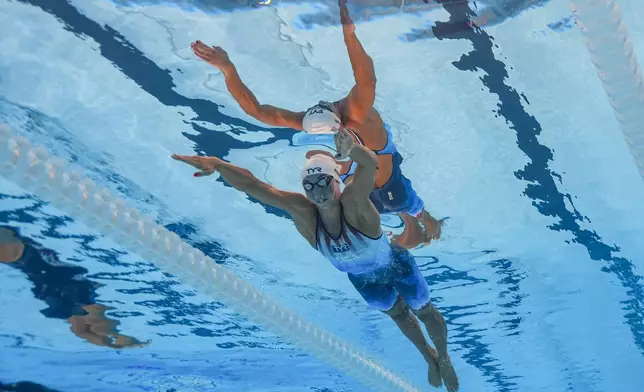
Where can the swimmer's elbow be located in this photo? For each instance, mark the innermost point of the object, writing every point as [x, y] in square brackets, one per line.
[364, 157]
[254, 110]
[367, 81]
[278, 117]
[265, 114]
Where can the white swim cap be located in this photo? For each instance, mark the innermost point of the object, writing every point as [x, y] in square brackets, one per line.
[321, 164]
[320, 119]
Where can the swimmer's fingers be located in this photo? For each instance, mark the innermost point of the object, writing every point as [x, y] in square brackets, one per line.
[203, 173]
[204, 164]
[343, 143]
[201, 56]
[345, 138]
[189, 159]
[341, 135]
[340, 144]
[202, 51]
[214, 55]
[199, 46]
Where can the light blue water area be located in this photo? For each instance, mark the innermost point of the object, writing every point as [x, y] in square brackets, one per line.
[505, 130]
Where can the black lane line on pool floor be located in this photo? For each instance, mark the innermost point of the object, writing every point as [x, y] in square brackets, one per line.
[542, 187]
[158, 82]
[147, 74]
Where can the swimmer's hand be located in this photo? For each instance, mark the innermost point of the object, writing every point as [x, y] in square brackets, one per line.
[345, 18]
[343, 144]
[206, 165]
[213, 55]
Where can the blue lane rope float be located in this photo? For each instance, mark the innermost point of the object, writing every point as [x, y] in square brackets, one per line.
[52, 180]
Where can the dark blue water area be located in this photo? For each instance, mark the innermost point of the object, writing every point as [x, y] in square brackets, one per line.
[130, 371]
[64, 287]
[24, 386]
[541, 187]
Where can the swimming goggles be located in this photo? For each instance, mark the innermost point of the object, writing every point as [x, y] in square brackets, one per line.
[322, 183]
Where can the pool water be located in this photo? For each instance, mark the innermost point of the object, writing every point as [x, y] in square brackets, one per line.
[505, 131]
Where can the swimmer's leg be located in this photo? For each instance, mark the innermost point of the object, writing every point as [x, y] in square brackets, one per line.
[437, 329]
[380, 294]
[414, 289]
[410, 327]
[401, 197]
[416, 208]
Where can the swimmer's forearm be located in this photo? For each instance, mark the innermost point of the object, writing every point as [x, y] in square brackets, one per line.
[239, 178]
[361, 62]
[267, 114]
[240, 92]
[365, 174]
[243, 180]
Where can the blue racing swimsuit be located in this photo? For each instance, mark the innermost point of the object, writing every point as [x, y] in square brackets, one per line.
[378, 270]
[397, 195]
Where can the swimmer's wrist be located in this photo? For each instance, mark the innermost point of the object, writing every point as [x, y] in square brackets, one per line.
[228, 68]
[343, 158]
[215, 163]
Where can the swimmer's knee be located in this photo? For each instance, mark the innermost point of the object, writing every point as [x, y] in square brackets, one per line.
[399, 310]
[428, 313]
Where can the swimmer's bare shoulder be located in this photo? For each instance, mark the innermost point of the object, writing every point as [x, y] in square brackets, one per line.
[304, 216]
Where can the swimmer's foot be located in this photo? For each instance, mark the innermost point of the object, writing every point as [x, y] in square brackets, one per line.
[433, 374]
[432, 226]
[413, 234]
[448, 374]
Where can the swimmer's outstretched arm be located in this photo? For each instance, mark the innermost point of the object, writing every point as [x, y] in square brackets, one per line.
[268, 114]
[243, 180]
[359, 102]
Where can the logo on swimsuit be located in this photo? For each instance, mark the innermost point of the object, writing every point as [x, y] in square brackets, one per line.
[314, 170]
[340, 248]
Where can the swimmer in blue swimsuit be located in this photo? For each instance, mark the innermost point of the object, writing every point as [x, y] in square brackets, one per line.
[63, 288]
[393, 192]
[344, 226]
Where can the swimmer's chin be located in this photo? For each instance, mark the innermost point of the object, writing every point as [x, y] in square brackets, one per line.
[321, 203]
[325, 203]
